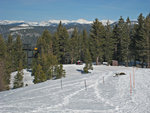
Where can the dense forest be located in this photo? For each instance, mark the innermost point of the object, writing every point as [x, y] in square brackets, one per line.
[128, 44]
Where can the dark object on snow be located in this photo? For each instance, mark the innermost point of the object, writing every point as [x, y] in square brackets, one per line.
[79, 62]
[118, 74]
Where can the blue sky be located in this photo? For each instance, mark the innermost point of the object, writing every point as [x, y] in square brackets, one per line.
[42, 10]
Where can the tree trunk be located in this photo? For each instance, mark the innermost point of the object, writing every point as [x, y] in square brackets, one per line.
[97, 62]
[71, 60]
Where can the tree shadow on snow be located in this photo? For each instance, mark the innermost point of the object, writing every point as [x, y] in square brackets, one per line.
[82, 72]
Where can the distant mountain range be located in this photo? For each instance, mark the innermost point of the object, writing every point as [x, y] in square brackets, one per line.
[50, 22]
[30, 31]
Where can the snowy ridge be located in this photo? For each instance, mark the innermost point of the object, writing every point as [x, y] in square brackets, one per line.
[7, 22]
[51, 22]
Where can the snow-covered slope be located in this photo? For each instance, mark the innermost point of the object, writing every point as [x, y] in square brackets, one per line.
[112, 96]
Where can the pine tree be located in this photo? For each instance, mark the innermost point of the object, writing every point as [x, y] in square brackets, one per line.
[84, 44]
[133, 51]
[126, 41]
[121, 35]
[3, 83]
[9, 55]
[45, 42]
[18, 82]
[74, 46]
[108, 45]
[10, 44]
[59, 71]
[62, 43]
[4, 60]
[147, 35]
[55, 44]
[96, 40]
[88, 61]
[39, 75]
[46, 56]
[3, 47]
[140, 40]
[18, 53]
[121, 45]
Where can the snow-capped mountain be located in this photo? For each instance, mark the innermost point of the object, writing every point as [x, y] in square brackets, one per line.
[8, 22]
[50, 22]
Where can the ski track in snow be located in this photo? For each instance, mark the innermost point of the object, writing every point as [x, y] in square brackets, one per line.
[73, 88]
[98, 94]
[41, 88]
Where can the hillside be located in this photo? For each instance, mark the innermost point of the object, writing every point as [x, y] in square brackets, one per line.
[112, 96]
[30, 34]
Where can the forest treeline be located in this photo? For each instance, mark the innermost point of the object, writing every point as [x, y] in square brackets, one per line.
[124, 42]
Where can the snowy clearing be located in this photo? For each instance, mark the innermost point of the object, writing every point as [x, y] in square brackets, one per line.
[111, 96]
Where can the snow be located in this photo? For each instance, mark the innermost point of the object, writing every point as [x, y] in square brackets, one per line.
[82, 21]
[6, 22]
[20, 28]
[112, 96]
[24, 25]
[27, 78]
[104, 22]
[51, 22]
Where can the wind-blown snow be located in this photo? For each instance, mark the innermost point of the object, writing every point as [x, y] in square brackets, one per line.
[111, 97]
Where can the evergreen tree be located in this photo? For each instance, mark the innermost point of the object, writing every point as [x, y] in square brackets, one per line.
[108, 45]
[45, 42]
[74, 46]
[84, 44]
[116, 41]
[62, 43]
[9, 55]
[10, 44]
[18, 82]
[147, 35]
[133, 52]
[3, 47]
[121, 45]
[126, 41]
[39, 75]
[140, 40]
[55, 44]
[59, 71]
[18, 53]
[121, 35]
[3, 76]
[96, 40]
[5, 63]
[88, 61]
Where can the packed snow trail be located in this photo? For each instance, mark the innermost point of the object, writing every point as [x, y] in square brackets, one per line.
[112, 96]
